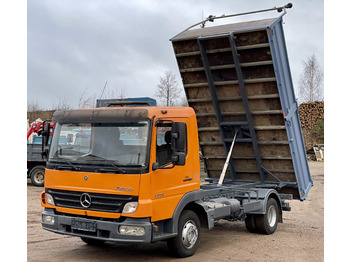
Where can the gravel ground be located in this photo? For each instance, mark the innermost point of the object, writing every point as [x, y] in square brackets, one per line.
[299, 238]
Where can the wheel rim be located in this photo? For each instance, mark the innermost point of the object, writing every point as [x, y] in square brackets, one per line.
[189, 234]
[39, 177]
[272, 216]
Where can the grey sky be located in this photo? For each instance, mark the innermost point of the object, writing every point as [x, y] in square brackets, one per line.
[74, 45]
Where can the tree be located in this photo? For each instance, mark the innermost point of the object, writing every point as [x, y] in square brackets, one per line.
[86, 101]
[33, 111]
[33, 106]
[183, 101]
[167, 89]
[89, 101]
[62, 104]
[311, 80]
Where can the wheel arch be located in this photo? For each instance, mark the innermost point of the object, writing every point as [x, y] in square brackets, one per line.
[189, 202]
[200, 211]
[263, 196]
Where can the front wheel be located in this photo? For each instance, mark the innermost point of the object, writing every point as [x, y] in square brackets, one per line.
[187, 241]
[37, 175]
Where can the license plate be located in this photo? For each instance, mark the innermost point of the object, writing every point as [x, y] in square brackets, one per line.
[83, 225]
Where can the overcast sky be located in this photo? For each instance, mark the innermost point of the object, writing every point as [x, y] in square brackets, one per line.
[81, 44]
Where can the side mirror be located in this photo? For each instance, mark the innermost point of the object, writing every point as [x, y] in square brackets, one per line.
[46, 132]
[179, 137]
[179, 158]
[45, 141]
[179, 143]
[155, 166]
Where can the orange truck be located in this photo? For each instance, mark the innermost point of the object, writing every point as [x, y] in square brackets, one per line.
[132, 174]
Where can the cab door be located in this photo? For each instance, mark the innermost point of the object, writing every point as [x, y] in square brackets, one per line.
[171, 177]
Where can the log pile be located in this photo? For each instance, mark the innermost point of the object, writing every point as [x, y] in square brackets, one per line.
[309, 113]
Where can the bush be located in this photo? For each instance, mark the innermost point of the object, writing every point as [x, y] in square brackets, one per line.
[318, 130]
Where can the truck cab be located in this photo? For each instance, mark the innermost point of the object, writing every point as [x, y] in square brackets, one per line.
[123, 176]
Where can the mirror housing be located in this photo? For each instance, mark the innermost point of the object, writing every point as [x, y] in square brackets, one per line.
[179, 137]
[179, 158]
[46, 136]
[179, 143]
[155, 166]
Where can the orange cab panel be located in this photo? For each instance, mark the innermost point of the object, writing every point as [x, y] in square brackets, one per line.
[93, 182]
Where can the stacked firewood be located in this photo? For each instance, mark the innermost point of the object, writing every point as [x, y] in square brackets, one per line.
[309, 114]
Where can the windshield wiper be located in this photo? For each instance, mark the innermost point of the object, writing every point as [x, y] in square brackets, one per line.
[129, 165]
[70, 166]
[115, 167]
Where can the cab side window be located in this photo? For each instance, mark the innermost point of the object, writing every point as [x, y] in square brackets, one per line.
[164, 151]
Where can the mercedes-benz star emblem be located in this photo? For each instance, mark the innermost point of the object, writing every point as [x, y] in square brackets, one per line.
[85, 200]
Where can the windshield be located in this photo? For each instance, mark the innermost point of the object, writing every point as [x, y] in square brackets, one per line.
[111, 144]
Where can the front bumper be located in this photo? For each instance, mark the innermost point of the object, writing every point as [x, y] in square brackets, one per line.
[105, 230]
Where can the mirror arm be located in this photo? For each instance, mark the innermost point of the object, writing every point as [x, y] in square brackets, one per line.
[155, 166]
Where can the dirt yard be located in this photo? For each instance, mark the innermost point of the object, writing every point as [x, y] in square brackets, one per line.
[299, 238]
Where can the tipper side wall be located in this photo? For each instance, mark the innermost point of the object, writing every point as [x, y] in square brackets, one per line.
[237, 79]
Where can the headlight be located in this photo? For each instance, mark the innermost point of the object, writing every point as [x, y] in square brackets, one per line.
[132, 230]
[48, 219]
[49, 199]
[130, 207]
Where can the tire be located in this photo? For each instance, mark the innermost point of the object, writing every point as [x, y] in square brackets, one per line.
[187, 241]
[37, 175]
[92, 241]
[267, 223]
[250, 223]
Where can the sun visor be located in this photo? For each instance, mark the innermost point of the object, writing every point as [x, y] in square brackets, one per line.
[110, 115]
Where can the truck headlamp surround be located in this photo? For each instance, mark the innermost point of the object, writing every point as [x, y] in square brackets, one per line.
[49, 199]
[130, 207]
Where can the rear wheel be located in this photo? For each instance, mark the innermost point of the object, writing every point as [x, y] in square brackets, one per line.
[267, 223]
[250, 223]
[187, 241]
[37, 175]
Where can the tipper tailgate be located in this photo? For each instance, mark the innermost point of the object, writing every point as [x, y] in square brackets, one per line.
[237, 79]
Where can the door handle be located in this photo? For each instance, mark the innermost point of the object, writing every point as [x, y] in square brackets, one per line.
[187, 179]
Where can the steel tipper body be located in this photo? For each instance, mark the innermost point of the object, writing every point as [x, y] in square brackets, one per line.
[237, 79]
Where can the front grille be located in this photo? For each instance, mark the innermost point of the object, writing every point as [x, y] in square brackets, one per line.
[99, 202]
